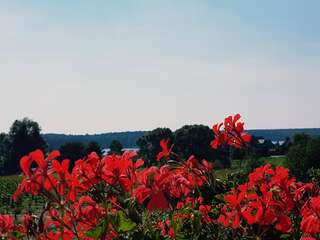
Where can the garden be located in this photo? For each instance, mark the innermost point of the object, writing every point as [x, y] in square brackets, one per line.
[118, 197]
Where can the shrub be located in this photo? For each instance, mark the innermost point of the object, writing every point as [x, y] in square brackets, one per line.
[303, 155]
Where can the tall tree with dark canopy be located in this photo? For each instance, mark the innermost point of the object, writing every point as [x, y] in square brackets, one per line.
[303, 155]
[72, 151]
[115, 147]
[94, 147]
[194, 140]
[4, 145]
[149, 144]
[24, 136]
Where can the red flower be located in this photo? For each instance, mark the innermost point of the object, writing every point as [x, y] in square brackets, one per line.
[6, 224]
[252, 212]
[284, 224]
[157, 201]
[205, 210]
[233, 133]
[121, 169]
[311, 216]
[34, 178]
[153, 182]
[165, 150]
[307, 237]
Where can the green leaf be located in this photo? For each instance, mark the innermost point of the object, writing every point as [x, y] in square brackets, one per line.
[125, 224]
[285, 236]
[94, 233]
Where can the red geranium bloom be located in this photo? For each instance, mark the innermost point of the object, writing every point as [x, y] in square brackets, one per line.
[35, 178]
[165, 150]
[153, 182]
[311, 216]
[121, 169]
[233, 133]
[6, 224]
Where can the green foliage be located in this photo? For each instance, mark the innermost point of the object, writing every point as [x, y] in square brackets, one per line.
[128, 139]
[73, 151]
[115, 147]
[95, 233]
[282, 134]
[94, 147]
[24, 137]
[303, 155]
[8, 185]
[261, 147]
[314, 175]
[4, 149]
[186, 141]
[122, 223]
[194, 140]
[149, 143]
[252, 162]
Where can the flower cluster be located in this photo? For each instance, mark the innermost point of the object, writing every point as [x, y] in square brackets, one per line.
[232, 134]
[117, 197]
[72, 212]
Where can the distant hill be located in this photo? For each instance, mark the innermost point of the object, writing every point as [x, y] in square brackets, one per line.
[128, 139]
[282, 134]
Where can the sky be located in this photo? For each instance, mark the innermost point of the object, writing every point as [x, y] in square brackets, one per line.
[97, 66]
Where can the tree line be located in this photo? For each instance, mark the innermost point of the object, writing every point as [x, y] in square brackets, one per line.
[25, 136]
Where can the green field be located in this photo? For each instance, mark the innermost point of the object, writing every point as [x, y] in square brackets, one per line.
[236, 166]
[8, 185]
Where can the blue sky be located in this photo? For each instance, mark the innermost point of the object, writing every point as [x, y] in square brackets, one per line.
[99, 66]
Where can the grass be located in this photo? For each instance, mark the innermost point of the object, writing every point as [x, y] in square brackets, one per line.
[8, 185]
[235, 166]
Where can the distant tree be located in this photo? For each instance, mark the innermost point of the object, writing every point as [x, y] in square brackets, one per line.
[194, 140]
[301, 139]
[284, 148]
[149, 144]
[4, 147]
[3, 144]
[260, 147]
[303, 155]
[94, 147]
[115, 147]
[24, 136]
[72, 151]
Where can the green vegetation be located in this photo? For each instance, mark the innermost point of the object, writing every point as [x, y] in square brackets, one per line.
[235, 166]
[8, 185]
[303, 155]
[23, 137]
[115, 147]
[127, 139]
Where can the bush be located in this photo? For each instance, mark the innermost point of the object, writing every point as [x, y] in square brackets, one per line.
[303, 155]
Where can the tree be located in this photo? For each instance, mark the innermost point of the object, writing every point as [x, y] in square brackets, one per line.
[194, 140]
[115, 147]
[301, 139]
[149, 144]
[94, 147]
[261, 147]
[24, 136]
[303, 155]
[72, 151]
[4, 144]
